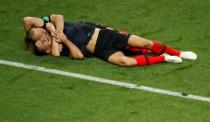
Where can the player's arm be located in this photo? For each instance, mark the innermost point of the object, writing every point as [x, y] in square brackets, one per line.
[74, 51]
[30, 22]
[55, 49]
[58, 21]
[55, 45]
[53, 24]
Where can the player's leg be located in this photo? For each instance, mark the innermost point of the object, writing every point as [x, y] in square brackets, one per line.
[120, 59]
[155, 46]
[159, 47]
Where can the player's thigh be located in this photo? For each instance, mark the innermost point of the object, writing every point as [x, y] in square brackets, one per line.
[136, 41]
[120, 59]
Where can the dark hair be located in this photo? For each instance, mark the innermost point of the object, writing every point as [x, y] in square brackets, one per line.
[30, 45]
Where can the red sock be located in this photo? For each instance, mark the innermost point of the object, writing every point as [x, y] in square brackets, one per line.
[143, 60]
[160, 48]
[138, 50]
[171, 51]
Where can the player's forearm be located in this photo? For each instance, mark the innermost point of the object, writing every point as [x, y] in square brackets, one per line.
[75, 52]
[30, 22]
[58, 21]
[55, 48]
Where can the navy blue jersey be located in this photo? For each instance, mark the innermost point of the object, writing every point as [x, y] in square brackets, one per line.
[79, 34]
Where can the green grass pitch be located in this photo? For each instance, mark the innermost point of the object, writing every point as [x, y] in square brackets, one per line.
[27, 95]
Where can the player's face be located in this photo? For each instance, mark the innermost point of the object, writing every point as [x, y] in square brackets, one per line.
[44, 45]
[38, 33]
[44, 40]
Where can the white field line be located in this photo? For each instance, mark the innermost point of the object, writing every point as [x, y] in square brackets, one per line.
[106, 81]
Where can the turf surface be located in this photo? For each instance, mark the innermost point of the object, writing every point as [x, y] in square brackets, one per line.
[34, 96]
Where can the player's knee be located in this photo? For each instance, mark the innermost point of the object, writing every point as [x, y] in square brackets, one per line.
[148, 44]
[158, 47]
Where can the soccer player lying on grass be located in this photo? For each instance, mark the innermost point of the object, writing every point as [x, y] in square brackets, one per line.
[51, 35]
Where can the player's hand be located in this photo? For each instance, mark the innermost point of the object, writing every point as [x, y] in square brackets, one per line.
[59, 36]
[50, 27]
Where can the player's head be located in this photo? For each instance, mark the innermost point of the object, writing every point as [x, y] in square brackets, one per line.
[39, 40]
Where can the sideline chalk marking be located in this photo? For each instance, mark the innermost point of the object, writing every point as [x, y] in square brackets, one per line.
[106, 81]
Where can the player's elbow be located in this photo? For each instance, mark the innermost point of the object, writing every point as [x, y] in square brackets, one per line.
[81, 57]
[26, 19]
[60, 16]
[56, 17]
[56, 55]
[78, 56]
